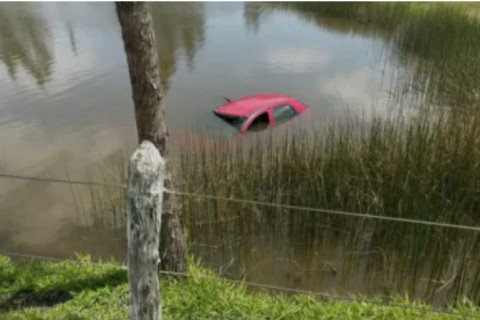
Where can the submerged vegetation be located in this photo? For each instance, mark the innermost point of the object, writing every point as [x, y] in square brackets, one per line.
[45, 290]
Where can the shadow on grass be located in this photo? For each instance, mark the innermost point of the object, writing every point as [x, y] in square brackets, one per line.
[29, 298]
[30, 294]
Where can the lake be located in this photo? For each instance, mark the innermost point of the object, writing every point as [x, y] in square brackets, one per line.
[66, 110]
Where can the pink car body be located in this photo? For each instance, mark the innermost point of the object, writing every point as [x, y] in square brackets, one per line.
[242, 115]
[272, 109]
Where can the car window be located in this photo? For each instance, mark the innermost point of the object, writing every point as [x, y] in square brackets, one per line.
[235, 121]
[283, 113]
[260, 123]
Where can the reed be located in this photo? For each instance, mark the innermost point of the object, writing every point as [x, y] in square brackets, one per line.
[424, 168]
[436, 43]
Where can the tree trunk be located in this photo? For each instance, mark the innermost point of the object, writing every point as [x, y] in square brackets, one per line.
[142, 58]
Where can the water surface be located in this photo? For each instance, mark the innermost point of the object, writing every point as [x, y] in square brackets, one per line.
[66, 108]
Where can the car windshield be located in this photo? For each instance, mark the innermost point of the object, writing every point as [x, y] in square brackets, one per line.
[215, 126]
[235, 121]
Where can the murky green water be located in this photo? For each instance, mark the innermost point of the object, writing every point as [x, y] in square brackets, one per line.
[66, 109]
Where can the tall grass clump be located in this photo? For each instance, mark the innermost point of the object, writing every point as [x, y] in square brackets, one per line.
[424, 168]
[441, 47]
[101, 210]
[378, 14]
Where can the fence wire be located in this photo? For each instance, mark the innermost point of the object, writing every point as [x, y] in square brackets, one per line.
[246, 283]
[249, 284]
[84, 183]
[260, 203]
[319, 210]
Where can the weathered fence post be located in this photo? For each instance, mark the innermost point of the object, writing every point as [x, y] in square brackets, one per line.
[145, 195]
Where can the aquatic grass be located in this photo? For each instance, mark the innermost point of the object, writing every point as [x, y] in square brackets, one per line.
[378, 14]
[101, 210]
[423, 168]
[103, 296]
[441, 48]
[436, 43]
[108, 202]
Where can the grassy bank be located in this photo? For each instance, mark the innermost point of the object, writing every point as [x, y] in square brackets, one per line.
[38, 290]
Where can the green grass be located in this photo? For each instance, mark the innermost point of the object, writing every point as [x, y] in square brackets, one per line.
[45, 290]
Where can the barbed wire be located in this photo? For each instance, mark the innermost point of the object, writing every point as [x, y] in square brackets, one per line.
[336, 212]
[249, 284]
[260, 203]
[86, 183]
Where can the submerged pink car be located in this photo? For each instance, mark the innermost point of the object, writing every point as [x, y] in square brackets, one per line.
[259, 112]
[236, 117]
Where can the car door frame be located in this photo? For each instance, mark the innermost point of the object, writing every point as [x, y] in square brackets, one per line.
[296, 106]
[255, 115]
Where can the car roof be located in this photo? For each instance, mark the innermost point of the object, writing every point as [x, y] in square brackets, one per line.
[249, 105]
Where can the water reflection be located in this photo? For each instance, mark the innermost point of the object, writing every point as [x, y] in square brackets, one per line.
[313, 14]
[65, 106]
[179, 29]
[25, 41]
[252, 13]
[440, 49]
[437, 48]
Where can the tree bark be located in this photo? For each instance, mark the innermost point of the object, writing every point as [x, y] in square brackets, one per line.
[139, 43]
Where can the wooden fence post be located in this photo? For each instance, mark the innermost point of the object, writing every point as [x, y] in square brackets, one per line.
[145, 195]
